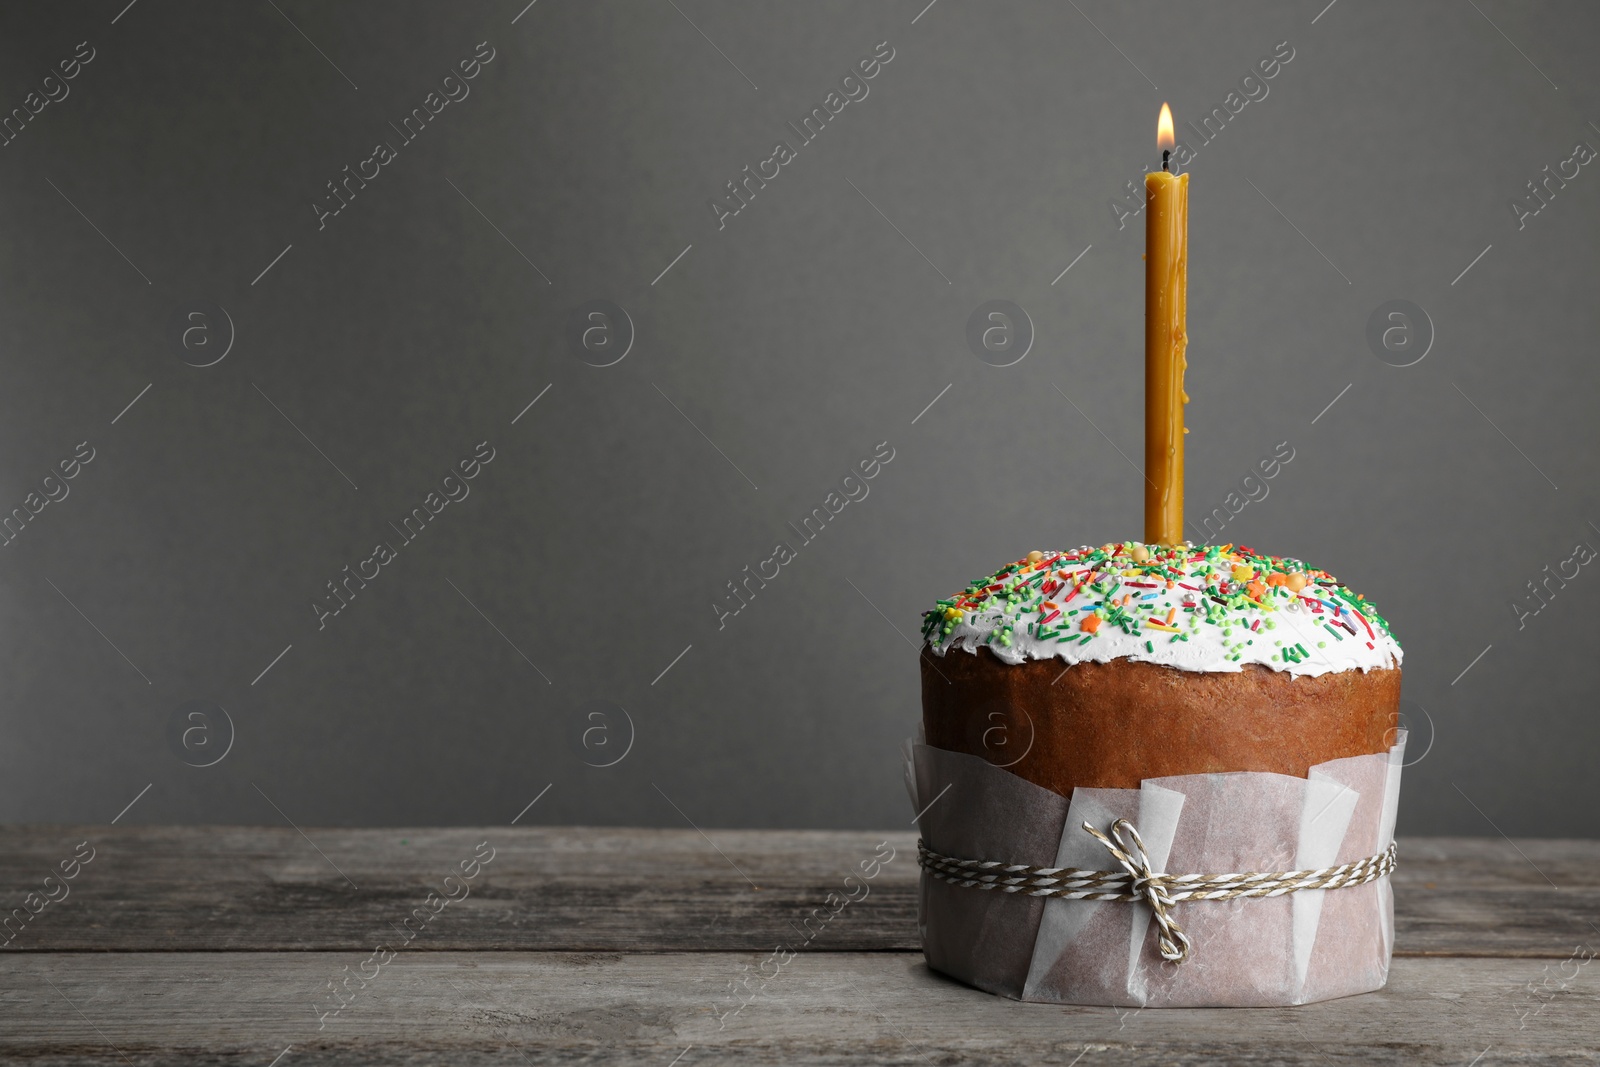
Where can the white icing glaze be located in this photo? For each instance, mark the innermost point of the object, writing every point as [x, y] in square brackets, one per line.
[1318, 619]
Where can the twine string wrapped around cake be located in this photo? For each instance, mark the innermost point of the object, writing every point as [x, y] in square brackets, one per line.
[1137, 882]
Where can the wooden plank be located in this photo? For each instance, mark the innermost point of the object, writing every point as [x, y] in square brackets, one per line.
[1498, 863]
[575, 888]
[512, 1008]
[236, 888]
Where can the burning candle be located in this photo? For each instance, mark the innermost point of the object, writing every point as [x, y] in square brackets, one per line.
[1166, 287]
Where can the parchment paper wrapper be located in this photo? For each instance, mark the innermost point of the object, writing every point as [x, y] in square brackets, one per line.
[1316, 944]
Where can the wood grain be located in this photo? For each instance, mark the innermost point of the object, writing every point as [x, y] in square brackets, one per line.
[514, 1008]
[592, 889]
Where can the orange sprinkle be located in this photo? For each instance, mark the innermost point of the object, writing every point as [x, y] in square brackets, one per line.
[1172, 613]
[1090, 624]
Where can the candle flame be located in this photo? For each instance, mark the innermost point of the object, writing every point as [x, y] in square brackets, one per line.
[1164, 136]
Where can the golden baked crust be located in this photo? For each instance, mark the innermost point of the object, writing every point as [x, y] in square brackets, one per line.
[1114, 724]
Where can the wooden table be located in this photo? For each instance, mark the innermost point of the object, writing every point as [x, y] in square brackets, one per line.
[224, 945]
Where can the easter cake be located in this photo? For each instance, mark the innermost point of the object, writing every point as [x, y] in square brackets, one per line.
[1106, 666]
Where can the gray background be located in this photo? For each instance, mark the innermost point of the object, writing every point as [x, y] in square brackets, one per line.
[188, 552]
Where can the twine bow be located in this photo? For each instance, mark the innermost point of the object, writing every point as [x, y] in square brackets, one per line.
[1148, 884]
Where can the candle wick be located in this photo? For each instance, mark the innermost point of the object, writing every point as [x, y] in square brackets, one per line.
[1166, 153]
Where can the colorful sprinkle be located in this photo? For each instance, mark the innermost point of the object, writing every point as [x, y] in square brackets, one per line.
[1136, 590]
